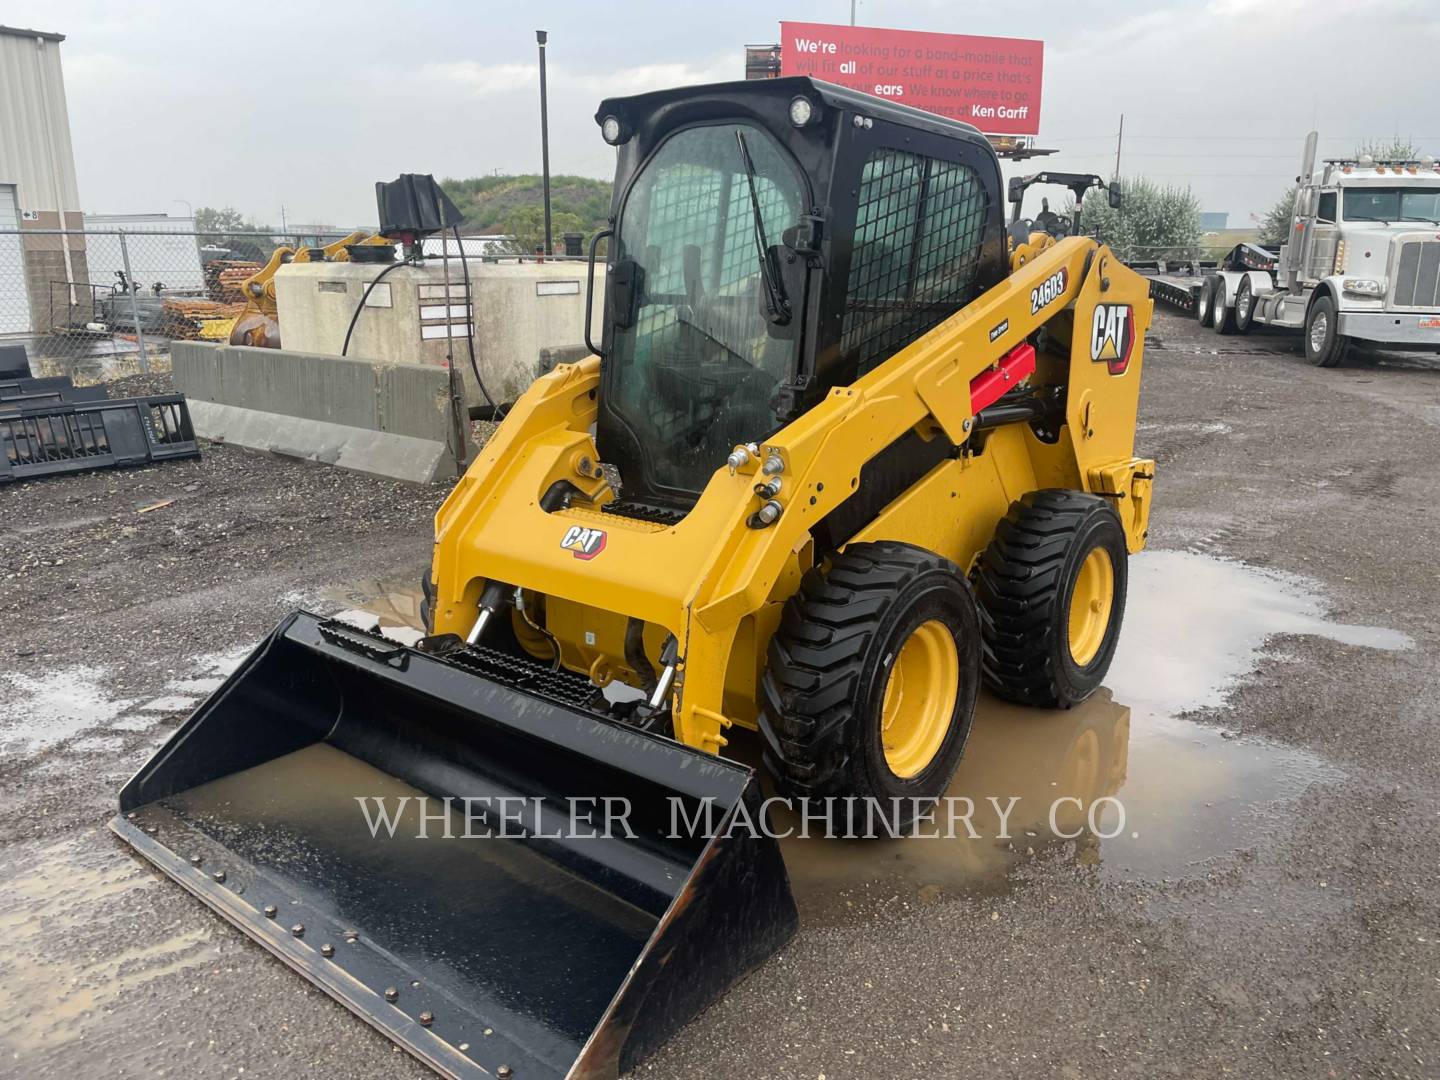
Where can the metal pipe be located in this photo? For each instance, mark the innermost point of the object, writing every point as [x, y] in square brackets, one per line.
[540, 36]
[134, 308]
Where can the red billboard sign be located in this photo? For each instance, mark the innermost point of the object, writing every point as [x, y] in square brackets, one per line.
[991, 82]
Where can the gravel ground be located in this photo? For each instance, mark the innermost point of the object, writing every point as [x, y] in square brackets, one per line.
[1305, 943]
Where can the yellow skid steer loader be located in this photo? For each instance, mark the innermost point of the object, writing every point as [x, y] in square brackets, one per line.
[842, 450]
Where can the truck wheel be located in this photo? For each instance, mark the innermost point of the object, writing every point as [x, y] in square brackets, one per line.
[870, 682]
[1051, 587]
[1324, 347]
[1244, 306]
[1222, 318]
[1205, 301]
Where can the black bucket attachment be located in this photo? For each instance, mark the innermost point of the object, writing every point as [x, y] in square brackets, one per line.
[69, 433]
[553, 947]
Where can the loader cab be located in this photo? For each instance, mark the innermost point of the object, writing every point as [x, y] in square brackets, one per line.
[771, 240]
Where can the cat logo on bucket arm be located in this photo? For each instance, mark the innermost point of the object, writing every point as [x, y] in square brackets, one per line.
[583, 543]
[1112, 336]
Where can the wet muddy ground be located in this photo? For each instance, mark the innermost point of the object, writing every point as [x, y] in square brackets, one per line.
[1265, 900]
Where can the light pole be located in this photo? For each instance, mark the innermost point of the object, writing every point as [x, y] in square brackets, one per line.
[540, 36]
[188, 207]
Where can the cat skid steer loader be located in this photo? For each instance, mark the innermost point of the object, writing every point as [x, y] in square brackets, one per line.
[838, 456]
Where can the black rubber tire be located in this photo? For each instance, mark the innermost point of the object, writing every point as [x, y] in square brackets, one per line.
[1205, 302]
[1222, 318]
[1332, 352]
[1244, 306]
[826, 672]
[1024, 582]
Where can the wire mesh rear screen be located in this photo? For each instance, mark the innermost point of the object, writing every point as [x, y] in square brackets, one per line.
[918, 234]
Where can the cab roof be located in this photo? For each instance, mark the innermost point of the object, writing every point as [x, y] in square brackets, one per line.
[826, 94]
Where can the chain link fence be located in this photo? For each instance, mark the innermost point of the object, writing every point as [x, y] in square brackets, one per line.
[102, 303]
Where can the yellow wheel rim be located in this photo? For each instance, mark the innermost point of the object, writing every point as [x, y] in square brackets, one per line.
[920, 699]
[1090, 603]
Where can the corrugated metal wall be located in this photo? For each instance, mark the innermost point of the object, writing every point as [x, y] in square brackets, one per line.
[35, 150]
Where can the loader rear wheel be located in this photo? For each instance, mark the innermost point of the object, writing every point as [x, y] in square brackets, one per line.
[1051, 587]
[870, 684]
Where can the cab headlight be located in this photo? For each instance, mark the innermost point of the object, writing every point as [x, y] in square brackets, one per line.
[614, 130]
[1364, 286]
[802, 111]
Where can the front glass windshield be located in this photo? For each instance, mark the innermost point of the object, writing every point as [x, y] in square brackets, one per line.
[1392, 204]
[696, 370]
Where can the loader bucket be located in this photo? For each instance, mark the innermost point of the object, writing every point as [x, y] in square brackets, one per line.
[546, 949]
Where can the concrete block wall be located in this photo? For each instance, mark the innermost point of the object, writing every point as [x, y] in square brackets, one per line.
[391, 419]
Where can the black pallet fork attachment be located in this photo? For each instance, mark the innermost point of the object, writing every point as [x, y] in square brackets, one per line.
[542, 944]
[48, 438]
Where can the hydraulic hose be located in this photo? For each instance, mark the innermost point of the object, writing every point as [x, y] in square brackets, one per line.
[361, 306]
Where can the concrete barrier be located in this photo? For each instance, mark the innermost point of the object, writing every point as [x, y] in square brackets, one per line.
[391, 419]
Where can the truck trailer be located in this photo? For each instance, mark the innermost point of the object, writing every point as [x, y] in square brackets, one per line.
[1361, 264]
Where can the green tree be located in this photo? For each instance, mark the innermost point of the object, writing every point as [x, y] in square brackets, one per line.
[225, 227]
[525, 227]
[486, 201]
[1391, 149]
[1275, 228]
[1153, 220]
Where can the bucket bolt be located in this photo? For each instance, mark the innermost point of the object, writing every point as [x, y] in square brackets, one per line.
[492, 599]
[426, 1019]
[391, 994]
[219, 876]
[271, 911]
[504, 1072]
[196, 860]
[327, 950]
[298, 930]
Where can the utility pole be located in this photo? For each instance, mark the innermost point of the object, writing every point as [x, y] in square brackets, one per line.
[540, 36]
[852, 12]
[1118, 139]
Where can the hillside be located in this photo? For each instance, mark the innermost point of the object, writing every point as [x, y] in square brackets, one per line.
[488, 201]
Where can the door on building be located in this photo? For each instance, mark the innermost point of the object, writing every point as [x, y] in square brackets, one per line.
[14, 298]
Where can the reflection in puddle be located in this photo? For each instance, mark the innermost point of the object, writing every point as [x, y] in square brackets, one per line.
[78, 888]
[1170, 793]
[1193, 628]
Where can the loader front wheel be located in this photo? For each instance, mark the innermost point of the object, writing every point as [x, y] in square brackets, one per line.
[870, 684]
[1051, 587]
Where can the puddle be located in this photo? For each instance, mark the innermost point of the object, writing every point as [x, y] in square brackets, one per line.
[1167, 794]
[40, 711]
[1194, 623]
[377, 603]
[170, 703]
[85, 889]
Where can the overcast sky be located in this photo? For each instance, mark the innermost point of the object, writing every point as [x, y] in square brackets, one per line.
[305, 104]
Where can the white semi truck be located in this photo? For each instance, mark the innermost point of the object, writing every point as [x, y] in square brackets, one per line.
[1362, 263]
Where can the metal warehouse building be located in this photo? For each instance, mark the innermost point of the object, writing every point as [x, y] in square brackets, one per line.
[38, 190]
